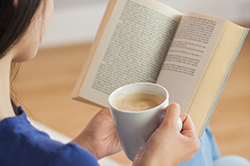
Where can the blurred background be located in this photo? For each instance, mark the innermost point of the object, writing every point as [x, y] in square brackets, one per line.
[77, 21]
[44, 84]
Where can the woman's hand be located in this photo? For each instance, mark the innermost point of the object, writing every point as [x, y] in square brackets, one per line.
[167, 146]
[99, 137]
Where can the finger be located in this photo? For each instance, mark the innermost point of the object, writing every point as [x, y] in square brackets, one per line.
[187, 122]
[172, 114]
[183, 117]
[105, 112]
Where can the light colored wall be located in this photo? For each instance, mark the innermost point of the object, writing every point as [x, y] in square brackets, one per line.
[77, 21]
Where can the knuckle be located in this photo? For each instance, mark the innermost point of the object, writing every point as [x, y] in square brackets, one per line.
[190, 157]
[196, 147]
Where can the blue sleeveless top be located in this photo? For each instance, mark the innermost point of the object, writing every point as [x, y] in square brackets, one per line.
[22, 144]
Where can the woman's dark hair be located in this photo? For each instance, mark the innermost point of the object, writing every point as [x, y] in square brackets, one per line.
[14, 21]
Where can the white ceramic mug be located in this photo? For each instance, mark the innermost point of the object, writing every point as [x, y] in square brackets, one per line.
[134, 128]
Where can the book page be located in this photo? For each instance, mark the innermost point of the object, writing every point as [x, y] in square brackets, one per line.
[193, 46]
[132, 49]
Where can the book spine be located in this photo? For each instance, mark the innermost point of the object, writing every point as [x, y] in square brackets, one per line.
[228, 73]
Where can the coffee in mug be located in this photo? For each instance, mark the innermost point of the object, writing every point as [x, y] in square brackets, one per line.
[137, 101]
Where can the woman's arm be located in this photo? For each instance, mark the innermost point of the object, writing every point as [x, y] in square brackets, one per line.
[167, 146]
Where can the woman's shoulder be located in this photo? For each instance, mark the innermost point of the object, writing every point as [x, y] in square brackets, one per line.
[23, 144]
[73, 155]
[18, 128]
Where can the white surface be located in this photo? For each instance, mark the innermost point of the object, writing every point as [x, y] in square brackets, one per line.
[73, 25]
[65, 139]
[77, 21]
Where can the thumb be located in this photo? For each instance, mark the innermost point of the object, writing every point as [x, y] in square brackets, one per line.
[172, 115]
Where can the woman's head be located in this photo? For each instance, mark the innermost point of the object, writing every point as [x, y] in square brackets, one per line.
[22, 25]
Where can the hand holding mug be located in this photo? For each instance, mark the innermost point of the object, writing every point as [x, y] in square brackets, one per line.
[168, 147]
[137, 110]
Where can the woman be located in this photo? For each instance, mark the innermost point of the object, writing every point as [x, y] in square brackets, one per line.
[22, 26]
[23, 23]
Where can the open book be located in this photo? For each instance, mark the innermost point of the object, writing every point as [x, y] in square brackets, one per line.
[190, 54]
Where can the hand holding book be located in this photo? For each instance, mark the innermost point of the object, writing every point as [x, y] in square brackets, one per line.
[190, 54]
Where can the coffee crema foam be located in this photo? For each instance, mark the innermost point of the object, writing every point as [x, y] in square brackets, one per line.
[137, 101]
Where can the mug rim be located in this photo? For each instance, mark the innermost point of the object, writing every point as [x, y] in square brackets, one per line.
[138, 112]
